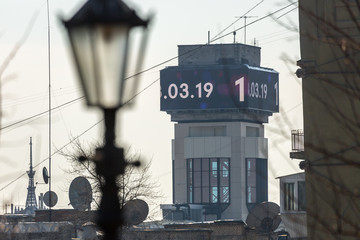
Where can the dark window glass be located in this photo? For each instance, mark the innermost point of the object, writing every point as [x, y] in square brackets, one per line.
[251, 180]
[256, 181]
[197, 179]
[190, 182]
[224, 194]
[205, 164]
[261, 180]
[251, 194]
[208, 180]
[205, 194]
[224, 178]
[207, 131]
[197, 164]
[205, 179]
[224, 167]
[252, 132]
[301, 196]
[190, 194]
[289, 196]
[213, 178]
[197, 195]
[214, 194]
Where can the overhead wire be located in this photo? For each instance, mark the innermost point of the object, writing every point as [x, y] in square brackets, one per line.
[40, 114]
[54, 153]
[136, 74]
[37, 97]
[238, 19]
[287, 12]
[171, 59]
[255, 21]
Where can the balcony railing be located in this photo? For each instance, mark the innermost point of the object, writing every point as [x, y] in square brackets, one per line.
[297, 144]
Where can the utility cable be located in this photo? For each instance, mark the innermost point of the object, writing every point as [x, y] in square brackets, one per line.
[87, 130]
[237, 19]
[255, 21]
[40, 114]
[57, 151]
[159, 64]
[139, 73]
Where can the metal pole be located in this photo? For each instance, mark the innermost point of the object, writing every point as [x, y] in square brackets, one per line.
[110, 163]
[48, 19]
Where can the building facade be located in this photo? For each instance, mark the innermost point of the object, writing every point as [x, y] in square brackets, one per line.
[220, 98]
[293, 204]
[329, 68]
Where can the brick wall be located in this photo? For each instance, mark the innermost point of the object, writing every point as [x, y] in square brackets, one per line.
[37, 231]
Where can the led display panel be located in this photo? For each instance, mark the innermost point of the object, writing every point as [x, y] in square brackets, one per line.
[219, 87]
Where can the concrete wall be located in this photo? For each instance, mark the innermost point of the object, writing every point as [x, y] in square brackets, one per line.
[225, 230]
[235, 145]
[37, 231]
[295, 224]
[219, 54]
[330, 60]
[164, 234]
[222, 230]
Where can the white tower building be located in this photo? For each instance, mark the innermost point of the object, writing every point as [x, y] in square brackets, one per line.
[220, 98]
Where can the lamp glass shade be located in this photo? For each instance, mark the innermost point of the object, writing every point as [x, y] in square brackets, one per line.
[100, 53]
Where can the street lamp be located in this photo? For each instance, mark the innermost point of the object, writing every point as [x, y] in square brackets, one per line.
[100, 39]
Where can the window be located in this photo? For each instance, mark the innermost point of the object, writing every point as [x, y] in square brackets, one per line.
[252, 131]
[207, 131]
[208, 180]
[251, 180]
[289, 196]
[301, 196]
[256, 181]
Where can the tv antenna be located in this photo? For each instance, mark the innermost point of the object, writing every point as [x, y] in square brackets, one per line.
[45, 175]
[245, 17]
[50, 199]
[135, 212]
[264, 217]
[80, 194]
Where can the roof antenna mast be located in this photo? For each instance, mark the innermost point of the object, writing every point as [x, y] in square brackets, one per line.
[245, 17]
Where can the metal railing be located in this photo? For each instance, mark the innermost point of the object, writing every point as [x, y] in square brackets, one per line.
[297, 140]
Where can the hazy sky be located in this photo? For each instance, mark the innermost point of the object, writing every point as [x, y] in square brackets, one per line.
[148, 131]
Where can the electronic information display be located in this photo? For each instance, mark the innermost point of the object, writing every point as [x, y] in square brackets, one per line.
[219, 87]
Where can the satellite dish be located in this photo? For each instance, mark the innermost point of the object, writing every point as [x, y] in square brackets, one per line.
[53, 201]
[45, 175]
[80, 194]
[135, 212]
[264, 217]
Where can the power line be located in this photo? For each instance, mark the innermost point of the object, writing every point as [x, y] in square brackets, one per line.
[287, 12]
[58, 150]
[39, 114]
[8, 103]
[164, 62]
[136, 74]
[238, 19]
[255, 21]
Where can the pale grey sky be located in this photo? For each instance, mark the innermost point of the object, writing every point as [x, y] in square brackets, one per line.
[25, 87]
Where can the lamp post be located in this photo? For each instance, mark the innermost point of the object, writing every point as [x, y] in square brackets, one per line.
[100, 37]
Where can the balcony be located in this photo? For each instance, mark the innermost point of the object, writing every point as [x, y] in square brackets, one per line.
[297, 144]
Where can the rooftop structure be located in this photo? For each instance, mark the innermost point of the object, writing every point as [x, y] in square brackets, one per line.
[219, 97]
